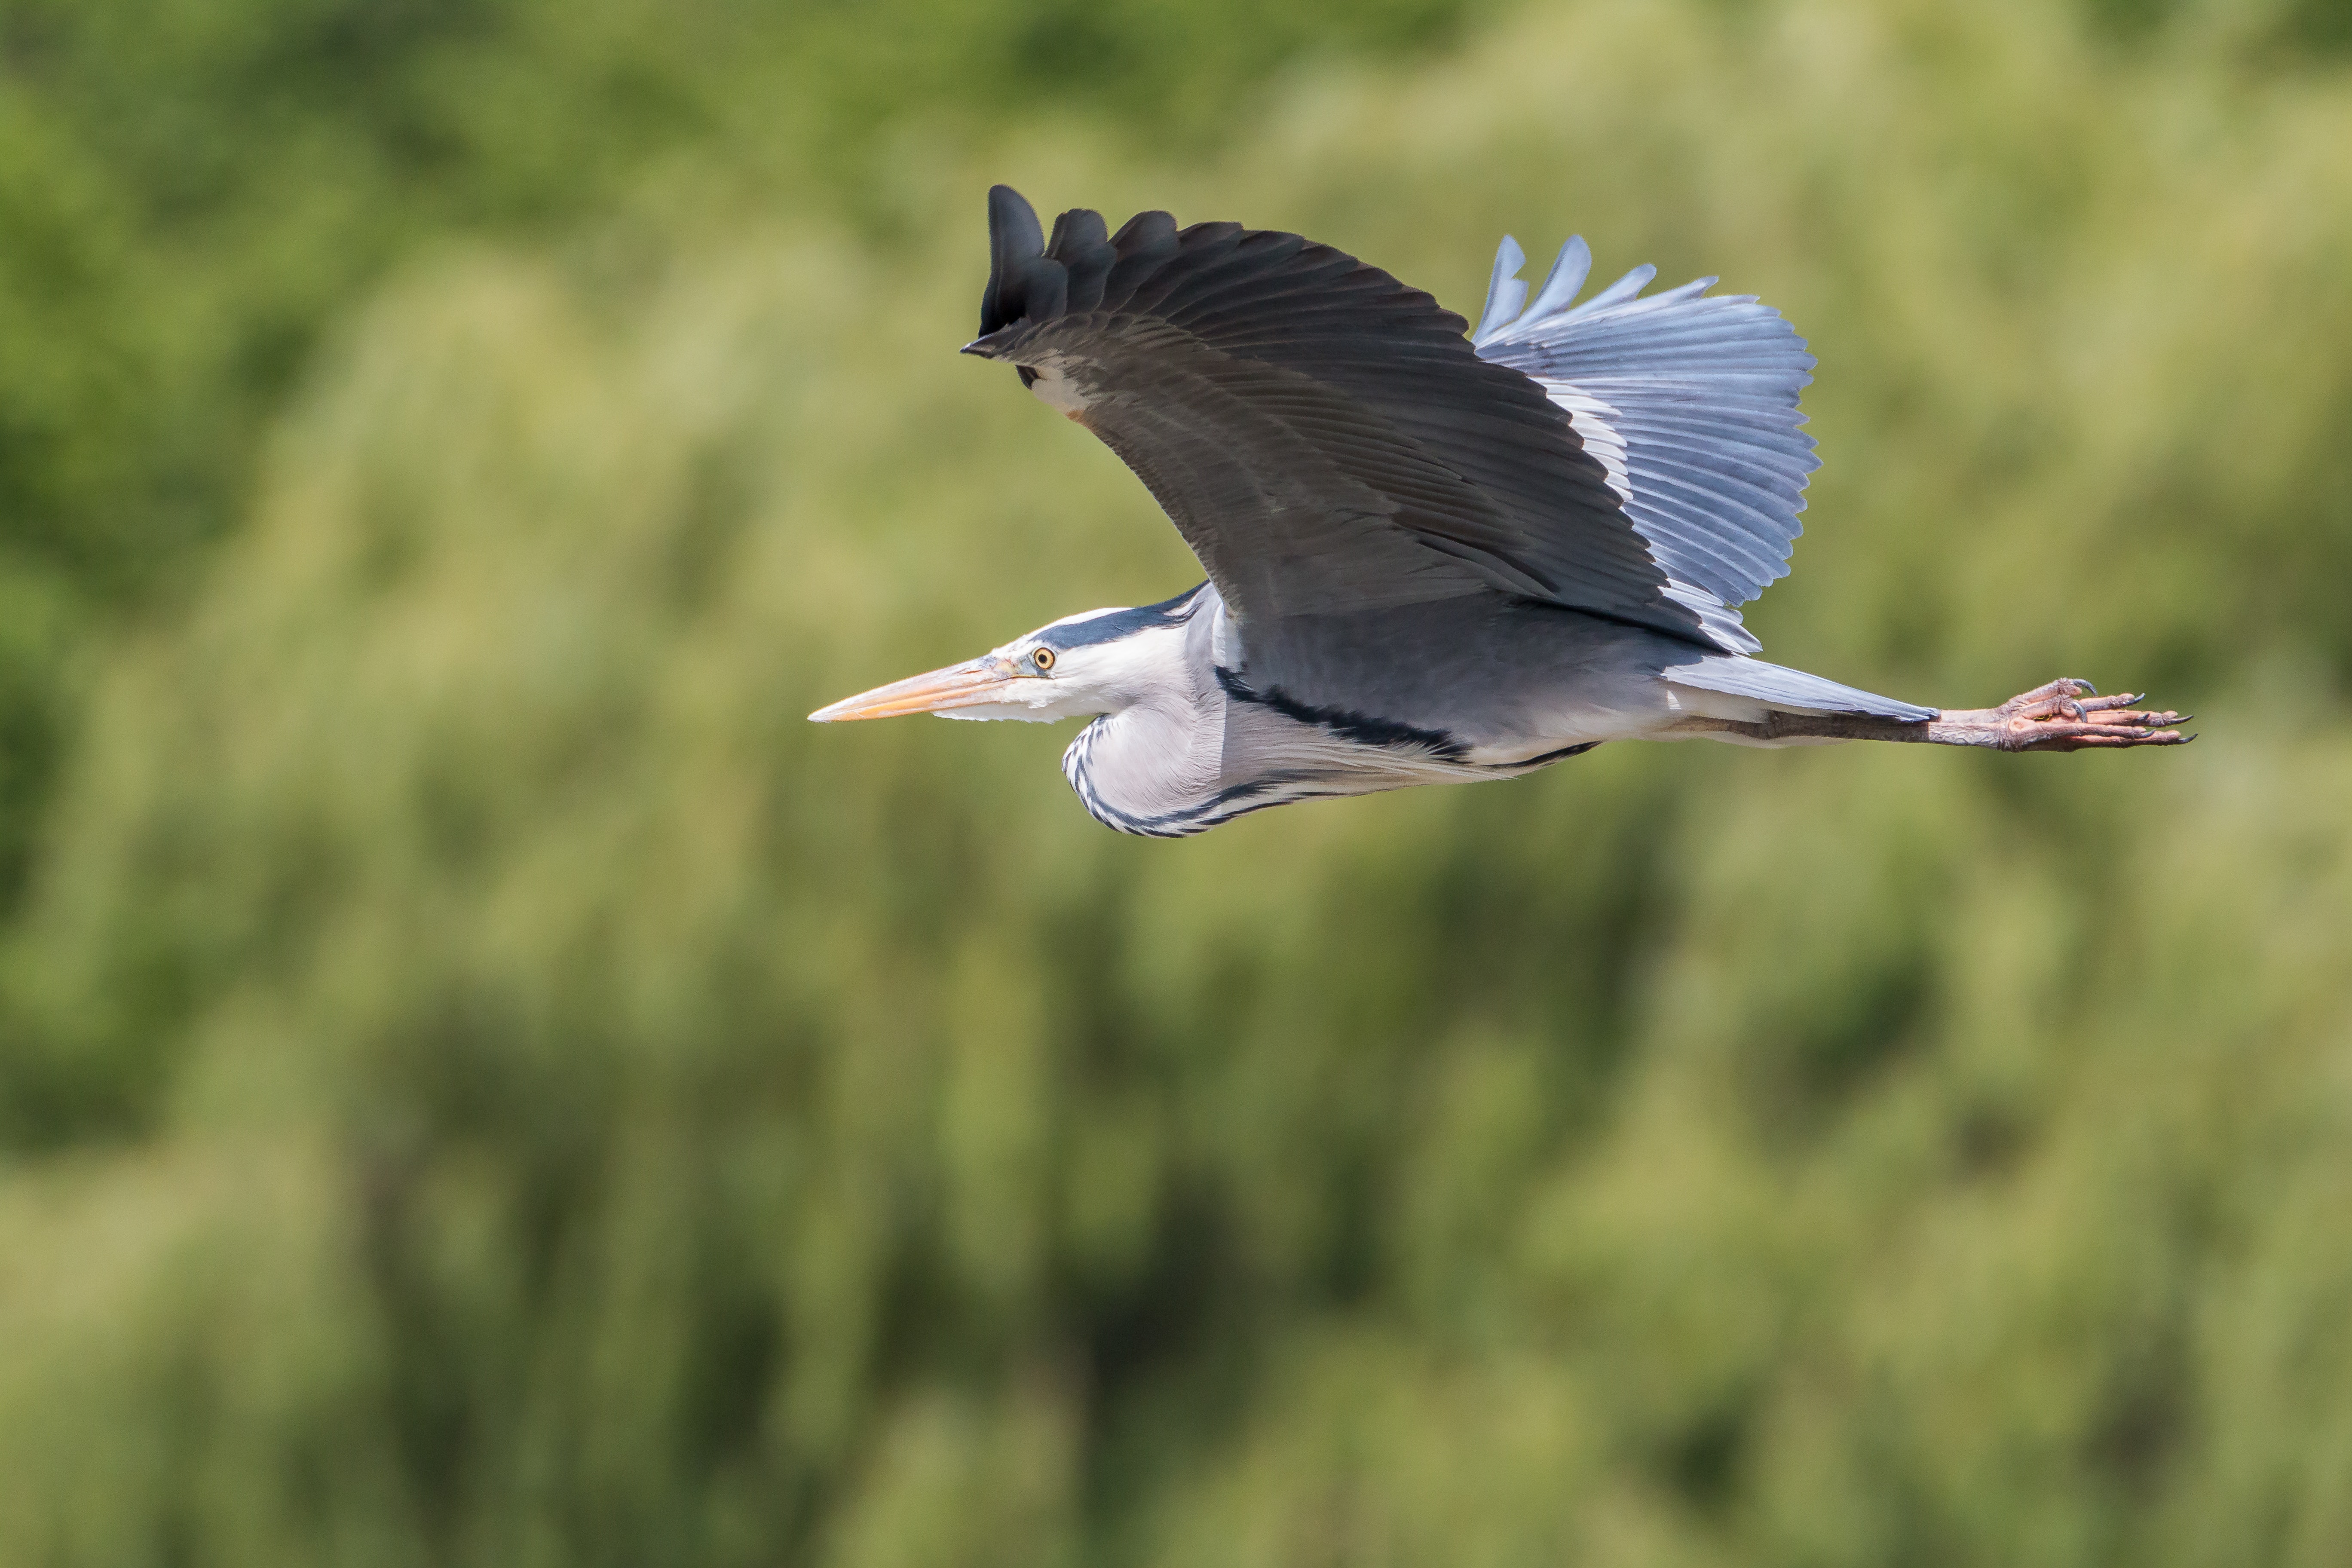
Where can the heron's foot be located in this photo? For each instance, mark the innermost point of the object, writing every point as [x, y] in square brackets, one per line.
[2064, 716]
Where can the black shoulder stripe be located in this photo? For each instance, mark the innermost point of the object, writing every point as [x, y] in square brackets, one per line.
[1364, 729]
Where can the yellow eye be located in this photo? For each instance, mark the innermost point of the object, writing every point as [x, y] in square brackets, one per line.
[1043, 658]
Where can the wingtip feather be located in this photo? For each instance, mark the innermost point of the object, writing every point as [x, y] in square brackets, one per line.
[1505, 293]
[1015, 236]
[1569, 271]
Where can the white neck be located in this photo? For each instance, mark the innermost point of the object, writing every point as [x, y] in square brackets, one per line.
[1150, 764]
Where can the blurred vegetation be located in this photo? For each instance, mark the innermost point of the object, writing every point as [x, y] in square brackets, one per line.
[482, 1081]
[192, 191]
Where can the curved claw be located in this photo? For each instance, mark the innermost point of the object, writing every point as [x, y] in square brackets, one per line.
[2090, 737]
[2065, 715]
[2103, 722]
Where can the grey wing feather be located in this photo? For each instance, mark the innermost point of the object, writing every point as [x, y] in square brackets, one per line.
[1323, 436]
[1692, 398]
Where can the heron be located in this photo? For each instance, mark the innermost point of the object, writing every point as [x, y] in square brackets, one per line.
[1433, 553]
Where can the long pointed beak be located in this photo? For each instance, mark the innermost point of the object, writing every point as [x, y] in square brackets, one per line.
[965, 685]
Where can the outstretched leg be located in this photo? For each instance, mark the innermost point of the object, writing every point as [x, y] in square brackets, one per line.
[2064, 716]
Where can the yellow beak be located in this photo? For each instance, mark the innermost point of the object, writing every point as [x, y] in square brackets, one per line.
[966, 685]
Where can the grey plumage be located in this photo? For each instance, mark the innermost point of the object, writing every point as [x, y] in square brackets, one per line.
[1433, 554]
[1700, 392]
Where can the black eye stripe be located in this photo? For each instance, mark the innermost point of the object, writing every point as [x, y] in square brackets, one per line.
[1119, 623]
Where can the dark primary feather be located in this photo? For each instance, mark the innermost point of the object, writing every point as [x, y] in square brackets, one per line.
[1324, 437]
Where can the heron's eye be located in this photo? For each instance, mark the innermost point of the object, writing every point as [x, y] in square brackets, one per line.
[1042, 657]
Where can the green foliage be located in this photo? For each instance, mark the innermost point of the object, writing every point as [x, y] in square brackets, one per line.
[487, 1083]
[190, 193]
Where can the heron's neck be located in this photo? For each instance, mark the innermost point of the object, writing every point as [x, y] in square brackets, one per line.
[1154, 764]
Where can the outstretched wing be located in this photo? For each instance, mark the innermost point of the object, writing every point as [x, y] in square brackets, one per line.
[1325, 439]
[1689, 400]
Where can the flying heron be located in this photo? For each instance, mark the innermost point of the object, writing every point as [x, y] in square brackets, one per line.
[1431, 557]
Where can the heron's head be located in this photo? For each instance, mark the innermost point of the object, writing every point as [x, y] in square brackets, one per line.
[1078, 666]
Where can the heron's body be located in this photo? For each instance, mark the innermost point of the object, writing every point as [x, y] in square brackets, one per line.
[1431, 559]
[1545, 683]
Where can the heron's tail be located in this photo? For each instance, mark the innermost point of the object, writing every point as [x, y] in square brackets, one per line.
[1779, 687]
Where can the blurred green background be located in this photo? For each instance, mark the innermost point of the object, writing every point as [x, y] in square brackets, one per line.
[483, 1082]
